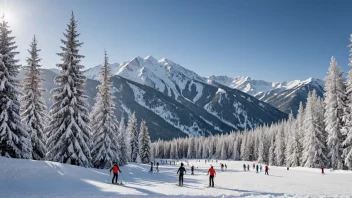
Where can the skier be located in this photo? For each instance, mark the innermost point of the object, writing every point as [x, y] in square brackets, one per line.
[244, 167]
[261, 168]
[248, 167]
[266, 170]
[192, 169]
[322, 169]
[253, 166]
[212, 173]
[182, 171]
[257, 168]
[116, 171]
[225, 167]
[151, 167]
[157, 167]
[222, 167]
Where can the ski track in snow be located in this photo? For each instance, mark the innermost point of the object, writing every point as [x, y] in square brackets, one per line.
[29, 178]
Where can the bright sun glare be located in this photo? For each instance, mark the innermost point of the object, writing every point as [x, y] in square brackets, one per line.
[7, 11]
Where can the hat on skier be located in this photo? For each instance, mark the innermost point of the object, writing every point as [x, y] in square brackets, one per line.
[181, 164]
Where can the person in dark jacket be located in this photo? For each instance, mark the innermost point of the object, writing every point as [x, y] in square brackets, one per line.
[244, 167]
[116, 171]
[182, 171]
[151, 167]
[192, 170]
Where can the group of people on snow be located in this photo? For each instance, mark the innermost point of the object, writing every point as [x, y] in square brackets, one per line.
[257, 167]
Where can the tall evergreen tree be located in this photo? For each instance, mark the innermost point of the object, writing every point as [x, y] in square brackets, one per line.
[14, 137]
[68, 131]
[347, 118]
[132, 141]
[144, 143]
[122, 141]
[279, 147]
[334, 105]
[34, 112]
[104, 126]
[272, 150]
[313, 145]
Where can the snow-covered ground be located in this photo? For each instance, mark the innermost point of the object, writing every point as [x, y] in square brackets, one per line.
[29, 178]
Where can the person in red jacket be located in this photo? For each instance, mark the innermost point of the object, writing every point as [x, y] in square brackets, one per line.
[115, 169]
[322, 169]
[266, 170]
[212, 173]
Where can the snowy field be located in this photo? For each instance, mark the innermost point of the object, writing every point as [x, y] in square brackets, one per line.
[28, 178]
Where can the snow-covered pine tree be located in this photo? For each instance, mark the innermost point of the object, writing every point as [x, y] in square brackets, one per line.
[244, 150]
[261, 149]
[132, 134]
[34, 112]
[313, 145]
[15, 140]
[223, 154]
[105, 148]
[191, 148]
[334, 105]
[68, 130]
[121, 140]
[272, 160]
[144, 143]
[347, 118]
[295, 145]
[300, 131]
[236, 148]
[279, 147]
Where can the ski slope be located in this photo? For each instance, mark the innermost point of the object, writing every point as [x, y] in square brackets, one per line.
[29, 178]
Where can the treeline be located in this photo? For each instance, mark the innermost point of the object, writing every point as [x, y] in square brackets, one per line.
[67, 132]
[321, 134]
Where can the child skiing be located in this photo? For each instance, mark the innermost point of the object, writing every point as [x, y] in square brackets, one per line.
[116, 171]
[182, 171]
[192, 170]
[257, 168]
[212, 173]
[266, 170]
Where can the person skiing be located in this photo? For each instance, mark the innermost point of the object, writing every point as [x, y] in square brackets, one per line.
[151, 167]
[157, 167]
[257, 168]
[248, 167]
[115, 169]
[322, 169]
[244, 167]
[182, 171]
[192, 169]
[266, 170]
[222, 167]
[253, 166]
[261, 168]
[212, 173]
[225, 167]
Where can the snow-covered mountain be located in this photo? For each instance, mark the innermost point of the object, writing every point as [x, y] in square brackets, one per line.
[282, 95]
[175, 101]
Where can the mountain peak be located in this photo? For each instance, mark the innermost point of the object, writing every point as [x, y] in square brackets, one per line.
[151, 59]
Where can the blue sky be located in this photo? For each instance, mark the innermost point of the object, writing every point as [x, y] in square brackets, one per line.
[272, 40]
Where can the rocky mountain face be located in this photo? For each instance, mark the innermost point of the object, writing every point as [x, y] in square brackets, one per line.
[174, 101]
[285, 96]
